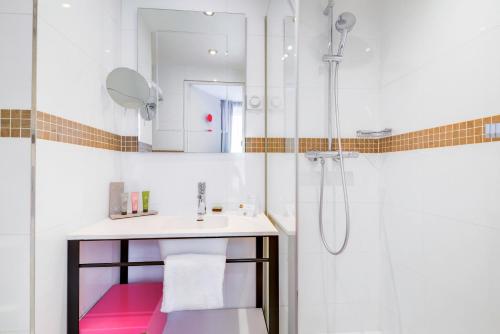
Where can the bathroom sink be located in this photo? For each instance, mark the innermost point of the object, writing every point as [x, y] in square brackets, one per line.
[191, 222]
[184, 226]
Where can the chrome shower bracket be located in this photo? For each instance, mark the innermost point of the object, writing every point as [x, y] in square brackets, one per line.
[332, 58]
[374, 134]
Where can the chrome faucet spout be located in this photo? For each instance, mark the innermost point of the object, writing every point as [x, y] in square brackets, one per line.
[202, 204]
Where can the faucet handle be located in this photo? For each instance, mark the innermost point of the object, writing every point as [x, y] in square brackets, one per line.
[202, 187]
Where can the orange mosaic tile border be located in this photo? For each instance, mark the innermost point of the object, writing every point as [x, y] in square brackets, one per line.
[54, 128]
[15, 123]
[256, 144]
[284, 145]
[462, 133]
[348, 144]
[274, 145]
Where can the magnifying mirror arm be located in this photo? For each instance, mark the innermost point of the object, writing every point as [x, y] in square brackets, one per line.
[132, 97]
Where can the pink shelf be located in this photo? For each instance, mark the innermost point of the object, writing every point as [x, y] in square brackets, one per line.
[127, 309]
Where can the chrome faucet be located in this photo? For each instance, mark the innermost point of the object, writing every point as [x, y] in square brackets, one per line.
[202, 203]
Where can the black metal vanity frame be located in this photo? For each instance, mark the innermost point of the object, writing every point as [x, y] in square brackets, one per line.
[74, 265]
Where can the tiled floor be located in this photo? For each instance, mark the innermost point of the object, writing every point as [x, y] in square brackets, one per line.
[241, 321]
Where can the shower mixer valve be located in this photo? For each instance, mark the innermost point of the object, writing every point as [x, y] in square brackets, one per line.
[322, 156]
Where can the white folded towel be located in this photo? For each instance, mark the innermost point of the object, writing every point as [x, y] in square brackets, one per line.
[216, 246]
[193, 282]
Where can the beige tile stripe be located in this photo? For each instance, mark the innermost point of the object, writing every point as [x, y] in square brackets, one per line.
[462, 133]
[284, 145]
[54, 128]
[16, 123]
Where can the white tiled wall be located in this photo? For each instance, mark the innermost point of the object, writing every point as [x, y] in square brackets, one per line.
[15, 186]
[15, 65]
[440, 237]
[339, 294]
[335, 295]
[72, 191]
[15, 168]
[439, 213]
[77, 48]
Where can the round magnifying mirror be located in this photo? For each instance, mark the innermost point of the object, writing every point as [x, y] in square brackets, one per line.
[128, 88]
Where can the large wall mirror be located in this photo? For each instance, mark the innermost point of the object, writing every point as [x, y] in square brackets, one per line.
[198, 60]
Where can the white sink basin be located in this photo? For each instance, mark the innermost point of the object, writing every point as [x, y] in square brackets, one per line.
[191, 222]
[201, 246]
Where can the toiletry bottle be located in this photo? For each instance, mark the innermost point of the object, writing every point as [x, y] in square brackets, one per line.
[145, 201]
[249, 207]
[135, 201]
[123, 203]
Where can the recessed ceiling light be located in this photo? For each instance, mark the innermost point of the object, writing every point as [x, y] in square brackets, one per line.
[368, 50]
[209, 13]
[66, 5]
[289, 48]
[212, 52]
[107, 51]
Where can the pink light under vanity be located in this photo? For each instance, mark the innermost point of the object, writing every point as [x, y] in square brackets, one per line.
[127, 309]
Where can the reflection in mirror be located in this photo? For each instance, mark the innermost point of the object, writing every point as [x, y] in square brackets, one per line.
[214, 117]
[199, 63]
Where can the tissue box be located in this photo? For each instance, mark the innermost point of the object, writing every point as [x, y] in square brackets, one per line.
[127, 309]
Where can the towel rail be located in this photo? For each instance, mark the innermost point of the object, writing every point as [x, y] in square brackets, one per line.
[160, 263]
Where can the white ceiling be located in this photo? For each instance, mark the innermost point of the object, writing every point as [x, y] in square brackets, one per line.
[184, 37]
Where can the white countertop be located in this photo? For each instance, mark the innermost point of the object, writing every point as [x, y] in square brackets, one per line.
[163, 227]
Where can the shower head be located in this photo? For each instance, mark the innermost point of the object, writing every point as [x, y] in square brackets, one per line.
[329, 8]
[346, 22]
[344, 25]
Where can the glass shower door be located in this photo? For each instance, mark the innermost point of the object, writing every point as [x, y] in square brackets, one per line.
[281, 145]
